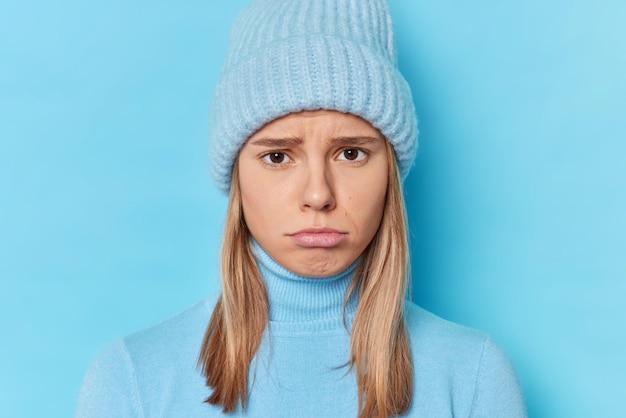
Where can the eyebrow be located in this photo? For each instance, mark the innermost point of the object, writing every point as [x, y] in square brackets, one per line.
[277, 142]
[347, 141]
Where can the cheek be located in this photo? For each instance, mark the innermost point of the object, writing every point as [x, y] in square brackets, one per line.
[253, 205]
[261, 204]
[366, 205]
[251, 201]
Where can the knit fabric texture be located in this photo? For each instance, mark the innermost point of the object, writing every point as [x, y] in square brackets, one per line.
[288, 56]
[300, 369]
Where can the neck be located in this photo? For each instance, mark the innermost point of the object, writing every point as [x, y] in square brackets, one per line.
[305, 302]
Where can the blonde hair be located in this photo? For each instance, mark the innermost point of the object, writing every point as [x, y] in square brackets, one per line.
[379, 345]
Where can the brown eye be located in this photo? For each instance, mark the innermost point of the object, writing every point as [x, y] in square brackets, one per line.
[351, 154]
[277, 157]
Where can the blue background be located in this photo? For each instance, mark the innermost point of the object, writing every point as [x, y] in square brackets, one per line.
[109, 221]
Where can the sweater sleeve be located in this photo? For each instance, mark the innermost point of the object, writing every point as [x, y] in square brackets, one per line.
[497, 392]
[109, 388]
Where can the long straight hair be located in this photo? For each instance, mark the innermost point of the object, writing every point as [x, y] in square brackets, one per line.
[379, 344]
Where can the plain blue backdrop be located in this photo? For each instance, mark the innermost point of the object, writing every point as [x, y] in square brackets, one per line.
[109, 221]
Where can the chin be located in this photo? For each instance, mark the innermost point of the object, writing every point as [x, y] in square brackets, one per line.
[321, 262]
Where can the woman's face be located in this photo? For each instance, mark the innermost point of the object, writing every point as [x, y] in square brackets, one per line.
[313, 187]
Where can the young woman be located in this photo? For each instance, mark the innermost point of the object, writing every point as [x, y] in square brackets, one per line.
[312, 130]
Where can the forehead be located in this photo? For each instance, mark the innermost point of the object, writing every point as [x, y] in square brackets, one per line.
[326, 122]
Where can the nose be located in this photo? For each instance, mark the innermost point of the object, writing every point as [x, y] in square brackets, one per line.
[318, 193]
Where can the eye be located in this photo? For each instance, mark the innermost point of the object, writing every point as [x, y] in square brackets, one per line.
[276, 158]
[351, 154]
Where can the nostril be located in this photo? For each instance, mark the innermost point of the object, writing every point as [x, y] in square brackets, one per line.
[318, 201]
[317, 190]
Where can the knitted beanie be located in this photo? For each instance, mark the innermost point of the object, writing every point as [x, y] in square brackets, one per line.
[288, 56]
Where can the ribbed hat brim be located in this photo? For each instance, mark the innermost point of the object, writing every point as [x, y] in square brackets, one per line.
[309, 73]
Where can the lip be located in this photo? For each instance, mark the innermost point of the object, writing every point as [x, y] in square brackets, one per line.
[318, 237]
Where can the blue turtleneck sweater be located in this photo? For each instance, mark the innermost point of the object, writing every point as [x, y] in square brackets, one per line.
[299, 369]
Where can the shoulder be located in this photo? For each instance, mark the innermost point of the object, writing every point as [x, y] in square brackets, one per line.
[449, 351]
[109, 386]
[438, 338]
[422, 321]
[454, 361]
[181, 330]
[133, 369]
[172, 344]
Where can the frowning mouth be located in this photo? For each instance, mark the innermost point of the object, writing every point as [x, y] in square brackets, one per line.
[318, 237]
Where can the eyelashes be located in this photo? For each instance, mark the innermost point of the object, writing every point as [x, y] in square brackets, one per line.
[277, 159]
[351, 154]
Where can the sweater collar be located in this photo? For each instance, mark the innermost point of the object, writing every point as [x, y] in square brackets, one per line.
[300, 299]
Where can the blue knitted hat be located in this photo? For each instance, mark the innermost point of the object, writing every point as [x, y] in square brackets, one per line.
[287, 56]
